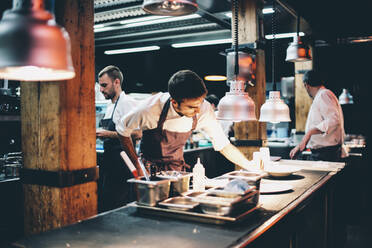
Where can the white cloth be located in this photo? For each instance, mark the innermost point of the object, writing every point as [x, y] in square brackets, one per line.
[326, 115]
[147, 116]
[125, 105]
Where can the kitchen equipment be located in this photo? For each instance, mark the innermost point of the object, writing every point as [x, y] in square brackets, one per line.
[179, 203]
[210, 203]
[151, 192]
[180, 181]
[129, 163]
[252, 178]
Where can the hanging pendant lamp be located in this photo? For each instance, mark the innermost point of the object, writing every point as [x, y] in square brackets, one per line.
[236, 105]
[170, 7]
[297, 50]
[274, 110]
[32, 46]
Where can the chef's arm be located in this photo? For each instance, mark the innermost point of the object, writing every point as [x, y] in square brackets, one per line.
[127, 145]
[300, 147]
[233, 154]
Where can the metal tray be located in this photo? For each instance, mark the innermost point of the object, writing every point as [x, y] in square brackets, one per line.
[195, 215]
[179, 203]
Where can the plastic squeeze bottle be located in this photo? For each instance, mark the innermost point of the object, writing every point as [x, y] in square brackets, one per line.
[198, 177]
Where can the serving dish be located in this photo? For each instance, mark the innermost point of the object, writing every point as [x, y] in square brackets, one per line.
[180, 181]
[281, 170]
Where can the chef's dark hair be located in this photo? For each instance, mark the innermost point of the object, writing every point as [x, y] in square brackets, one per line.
[312, 78]
[186, 84]
[113, 72]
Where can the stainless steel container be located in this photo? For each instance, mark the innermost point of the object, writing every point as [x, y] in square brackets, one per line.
[151, 192]
[180, 181]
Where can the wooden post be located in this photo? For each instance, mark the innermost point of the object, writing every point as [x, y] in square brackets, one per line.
[58, 129]
[302, 99]
[249, 24]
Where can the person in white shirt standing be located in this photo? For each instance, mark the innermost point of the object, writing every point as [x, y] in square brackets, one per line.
[324, 131]
[168, 119]
[113, 190]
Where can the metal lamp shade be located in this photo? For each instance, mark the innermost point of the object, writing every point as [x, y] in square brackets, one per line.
[274, 110]
[236, 105]
[33, 47]
[297, 51]
[170, 7]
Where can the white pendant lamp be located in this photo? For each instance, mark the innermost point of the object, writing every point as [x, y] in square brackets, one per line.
[170, 7]
[297, 50]
[345, 97]
[274, 110]
[32, 46]
[236, 105]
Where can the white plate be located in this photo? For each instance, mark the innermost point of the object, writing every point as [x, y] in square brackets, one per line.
[267, 188]
[281, 170]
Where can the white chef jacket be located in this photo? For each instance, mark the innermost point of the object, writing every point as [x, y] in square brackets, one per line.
[326, 115]
[125, 105]
[147, 116]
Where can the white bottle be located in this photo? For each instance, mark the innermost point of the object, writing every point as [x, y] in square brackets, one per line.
[198, 177]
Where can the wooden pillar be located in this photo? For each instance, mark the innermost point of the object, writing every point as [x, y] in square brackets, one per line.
[58, 129]
[250, 30]
[302, 99]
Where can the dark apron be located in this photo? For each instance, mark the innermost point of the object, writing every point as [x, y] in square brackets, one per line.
[327, 153]
[113, 187]
[164, 148]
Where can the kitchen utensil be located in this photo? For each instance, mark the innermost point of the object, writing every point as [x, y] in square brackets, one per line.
[129, 163]
[179, 203]
[281, 170]
[180, 181]
[151, 192]
[144, 171]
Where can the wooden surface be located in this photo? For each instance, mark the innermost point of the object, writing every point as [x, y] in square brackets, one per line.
[302, 100]
[58, 128]
[249, 32]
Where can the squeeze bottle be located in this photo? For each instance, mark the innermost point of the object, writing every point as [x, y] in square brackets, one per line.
[198, 177]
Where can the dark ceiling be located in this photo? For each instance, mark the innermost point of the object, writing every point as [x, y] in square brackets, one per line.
[331, 21]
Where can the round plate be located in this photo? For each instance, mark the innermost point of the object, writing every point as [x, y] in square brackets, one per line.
[281, 170]
[267, 188]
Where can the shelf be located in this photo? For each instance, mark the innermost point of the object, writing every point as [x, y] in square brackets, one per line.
[10, 117]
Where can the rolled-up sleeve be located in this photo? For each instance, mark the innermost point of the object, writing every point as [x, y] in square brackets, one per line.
[128, 123]
[210, 125]
[330, 115]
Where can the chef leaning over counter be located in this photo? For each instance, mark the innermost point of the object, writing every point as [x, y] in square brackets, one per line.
[168, 119]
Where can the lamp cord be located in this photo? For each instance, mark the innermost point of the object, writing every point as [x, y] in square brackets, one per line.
[273, 30]
[236, 38]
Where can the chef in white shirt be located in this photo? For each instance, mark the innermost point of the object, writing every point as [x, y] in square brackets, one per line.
[113, 188]
[168, 119]
[324, 131]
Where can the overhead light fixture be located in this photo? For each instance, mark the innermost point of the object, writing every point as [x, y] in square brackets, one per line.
[143, 21]
[267, 10]
[283, 35]
[32, 46]
[215, 78]
[297, 50]
[345, 97]
[201, 43]
[274, 110]
[132, 50]
[170, 7]
[236, 105]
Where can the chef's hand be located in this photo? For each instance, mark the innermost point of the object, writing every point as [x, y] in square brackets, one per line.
[300, 147]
